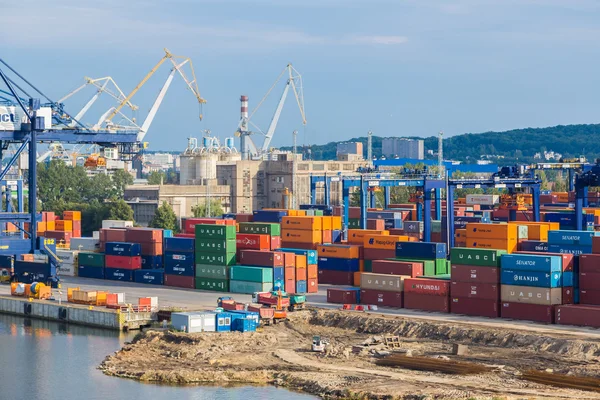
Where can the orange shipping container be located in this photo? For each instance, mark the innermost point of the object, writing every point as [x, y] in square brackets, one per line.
[302, 236]
[41, 227]
[326, 237]
[303, 223]
[361, 265]
[312, 272]
[65, 226]
[338, 251]
[509, 245]
[301, 274]
[72, 215]
[492, 231]
[50, 225]
[326, 223]
[357, 276]
[300, 261]
[336, 223]
[357, 236]
[387, 242]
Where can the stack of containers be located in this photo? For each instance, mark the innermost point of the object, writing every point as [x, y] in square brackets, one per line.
[274, 216]
[68, 265]
[495, 236]
[180, 261]
[247, 279]
[90, 265]
[589, 275]
[532, 286]
[431, 255]
[111, 235]
[357, 237]
[75, 218]
[62, 232]
[337, 263]
[475, 282]
[122, 259]
[282, 265]
[382, 289]
[150, 240]
[215, 253]
[271, 229]
[427, 294]
[305, 232]
[310, 259]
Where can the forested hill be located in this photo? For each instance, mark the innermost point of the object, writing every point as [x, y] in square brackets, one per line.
[518, 144]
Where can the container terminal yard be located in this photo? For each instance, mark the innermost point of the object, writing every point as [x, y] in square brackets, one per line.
[484, 296]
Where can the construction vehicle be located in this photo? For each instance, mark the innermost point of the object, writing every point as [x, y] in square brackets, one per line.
[297, 302]
[319, 345]
[280, 312]
[5, 276]
[292, 302]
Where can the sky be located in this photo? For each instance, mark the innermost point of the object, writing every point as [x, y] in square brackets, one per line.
[395, 67]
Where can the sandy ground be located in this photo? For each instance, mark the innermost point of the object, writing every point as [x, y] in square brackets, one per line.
[281, 355]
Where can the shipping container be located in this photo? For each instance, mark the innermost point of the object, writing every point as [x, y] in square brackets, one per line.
[217, 285]
[420, 250]
[530, 278]
[150, 276]
[589, 280]
[123, 262]
[302, 236]
[376, 224]
[251, 274]
[385, 242]
[381, 298]
[299, 261]
[244, 325]
[203, 257]
[152, 262]
[378, 254]
[393, 267]
[260, 228]
[568, 295]
[274, 216]
[87, 271]
[529, 262]
[492, 231]
[221, 232]
[118, 274]
[312, 271]
[338, 251]
[578, 315]
[194, 322]
[143, 235]
[434, 287]
[334, 277]
[357, 236]
[533, 245]
[475, 290]
[301, 286]
[312, 285]
[568, 260]
[509, 245]
[301, 274]
[387, 282]
[253, 241]
[303, 223]
[184, 269]
[589, 263]
[479, 274]
[176, 244]
[339, 264]
[475, 307]
[151, 248]
[220, 246]
[527, 312]
[261, 258]
[531, 295]
[212, 271]
[426, 302]
[429, 266]
[569, 249]
[246, 287]
[180, 281]
[343, 295]
[589, 296]
[123, 249]
[311, 255]
[572, 237]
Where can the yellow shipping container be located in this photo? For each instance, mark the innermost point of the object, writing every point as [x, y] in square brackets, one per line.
[326, 223]
[302, 223]
[338, 251]
[357, 236]
[301, 236]
[492, 231]
[72, 215]
[336, 223]
[387, 242]
[65, 226]
[509, 245]
[593, 211]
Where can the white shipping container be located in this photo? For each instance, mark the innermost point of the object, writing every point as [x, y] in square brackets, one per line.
[67, 269]
[483, 199]
[192, 322]
[85, 244]
[109, 223]
[95, 235]
[67, 256]
[40, 258]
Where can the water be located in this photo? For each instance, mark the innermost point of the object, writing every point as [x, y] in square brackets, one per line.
[48, 360]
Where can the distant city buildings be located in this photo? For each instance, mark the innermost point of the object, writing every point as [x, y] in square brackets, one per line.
[548, 155]
[159, 162]
[349, 151]
[403, 148]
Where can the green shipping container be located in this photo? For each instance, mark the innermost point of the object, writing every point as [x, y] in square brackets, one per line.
[251, 274]
[260, 228]
[219, 246]
[215, 231]
[441, 266]
[318, 213]
[206, 258]
[353, 223]
[368, 265]
[436, 226]
[429, 266]
[249, 287]
[476, 257]
[91, 259]
[212, 271]
[443, 277]
[219, 285]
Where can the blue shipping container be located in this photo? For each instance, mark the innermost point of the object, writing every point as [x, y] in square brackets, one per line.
[237, 314]
[123, 249]
[533, 245]
[150, 276]
[339, 264]
[6, 261]
[182, 269]
[322, 207]
[83, 271]
[569, 249]
[530, 278]
[530, 262]
[167, 233]
[175, 244]
[269, 216]
[393, 223]
[311, 255]
[568, 279]
[222, 322]
[336, 236]
[179, 259]
[571, 237]
[278, 274]
[118, 274]
[152, 262]
[15, 246]
[300, 286]
[384, 215]
[243, 325]
[420, 250]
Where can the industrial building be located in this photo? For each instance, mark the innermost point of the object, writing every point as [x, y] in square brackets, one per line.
[403, 148]
[349, 151]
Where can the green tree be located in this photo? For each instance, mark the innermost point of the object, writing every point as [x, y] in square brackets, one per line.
[560, 185]
[121, 179]
[156, 178]
[120, 210]
[59, 182]
[164, 218]
[201, 209]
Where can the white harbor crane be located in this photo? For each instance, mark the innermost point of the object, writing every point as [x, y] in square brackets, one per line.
[247, 146]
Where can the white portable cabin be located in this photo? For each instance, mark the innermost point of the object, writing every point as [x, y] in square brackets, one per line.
[192, 322]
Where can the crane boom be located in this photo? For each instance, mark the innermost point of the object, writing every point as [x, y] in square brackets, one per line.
[275, 119]
[85, 108]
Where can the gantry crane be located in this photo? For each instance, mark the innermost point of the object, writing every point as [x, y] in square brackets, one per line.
[247, 145]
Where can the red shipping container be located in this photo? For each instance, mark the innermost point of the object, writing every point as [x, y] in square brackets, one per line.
[253, 241]
[376, 224]
[579, 315]
[76, 233]
[473, 290]
[185, 235]
[378, 254]
[152, 249]
[290, 286]
[381, 298]
[298, 245]
[289, 273]
[476, 307]
[275, 242]
[335, 277]
[468, 273]
[568, 260]
[435, 287]
[568, 295]
[326, 237]
[301, 274]
[289, 259]
[426, 302]
[187, 282]
[589, 281]
[144, 235]
[312, 271]
[342, 296]
[190, 223]
[596, 245]
[48, 216]
[112, 235]
[59, 235]
[261, 258]
[76, 225]
[312, 285]
[396, 232]
[244, 217]
[589, 296]
[528, 312]
[413, 269]
[123, 262]
[589, 263]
